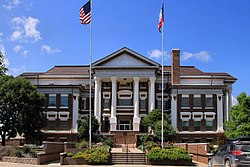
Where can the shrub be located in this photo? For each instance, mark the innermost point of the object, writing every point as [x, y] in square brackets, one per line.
[82, 144]
[17, 152]
[70, 154]
[33, 153]
[97, 155]
[107, 142]
[150, 144]
[173, 154]
[26, 149]
[78, 155]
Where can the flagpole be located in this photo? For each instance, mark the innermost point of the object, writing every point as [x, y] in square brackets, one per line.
[162, 78]
[90, 77]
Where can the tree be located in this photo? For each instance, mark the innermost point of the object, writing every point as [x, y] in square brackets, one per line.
[3, 69]
[83, 127]
[20, 109]
[154, 120]
[239, 124]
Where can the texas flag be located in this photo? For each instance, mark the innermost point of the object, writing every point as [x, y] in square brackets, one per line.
[161, 18]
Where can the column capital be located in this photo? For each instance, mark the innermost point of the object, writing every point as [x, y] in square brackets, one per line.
[113, 79]
[136, 79]
[97, 79]
[152, 79]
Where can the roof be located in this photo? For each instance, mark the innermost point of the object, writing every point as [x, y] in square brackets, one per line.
[68, 70]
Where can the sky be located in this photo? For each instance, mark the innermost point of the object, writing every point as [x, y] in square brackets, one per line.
[213, 35]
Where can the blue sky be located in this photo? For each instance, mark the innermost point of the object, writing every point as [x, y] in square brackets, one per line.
[213, 35]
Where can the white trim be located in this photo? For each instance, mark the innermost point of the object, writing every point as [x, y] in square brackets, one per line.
[195, 114]
[63, 118]
[210, 114]
[143, 95]
[125, 92]
[208, 96]
[197, 95]
[106, 93]
[186, 114]
[51, 113]
[185, 95]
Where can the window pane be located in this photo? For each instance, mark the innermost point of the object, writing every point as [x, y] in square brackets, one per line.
[106, 103]
[52, 100]
[64, 125]
[143, 104]
[197, 101]
[125, 102]
[185, 125]
[209, 125]
[209, 102]
[84, 104]
[64, 101]
[197, 126]
[158, 104]
[51, 125]
[185, 102]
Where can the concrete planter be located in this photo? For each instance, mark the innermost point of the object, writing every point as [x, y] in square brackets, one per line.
[20, 160]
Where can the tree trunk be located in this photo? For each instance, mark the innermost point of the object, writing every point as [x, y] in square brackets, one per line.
[3, 140]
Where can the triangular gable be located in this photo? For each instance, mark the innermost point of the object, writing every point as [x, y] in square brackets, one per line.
[125, 58]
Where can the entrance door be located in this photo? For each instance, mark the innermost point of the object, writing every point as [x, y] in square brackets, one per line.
[124, 125]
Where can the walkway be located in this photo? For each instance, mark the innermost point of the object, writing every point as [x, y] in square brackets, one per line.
[5, 164]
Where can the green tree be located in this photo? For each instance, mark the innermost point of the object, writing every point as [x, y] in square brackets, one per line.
[239, 124]
[154, 120]
[20, 109]
[3, 69]
[83, 127]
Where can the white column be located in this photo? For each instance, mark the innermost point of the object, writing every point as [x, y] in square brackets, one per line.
[226, 106]
[96, 102]
[75, 112]
[219, 113]
[174, 111]
[229, 103]
[113, 119]
[152, 93]
[136, 119]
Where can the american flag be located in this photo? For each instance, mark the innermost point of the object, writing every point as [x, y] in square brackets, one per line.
[85, 13]
[161, 18]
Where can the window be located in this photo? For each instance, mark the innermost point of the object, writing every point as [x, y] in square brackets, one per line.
[143, 85]
[106, 103]
[125, 98]
[160, 86]
[209, 125]
[125, 102]
[197, 126]
[124, 125]
[52, 100]
[197, 101]
[64, 100]
[64, 125]
[185, 125]
[142, 104]
[184, 140]
[209, 101]
[197, 140]
[185, 101]
[209, 140]
[84, 104]
[106, 85]
[51, 125]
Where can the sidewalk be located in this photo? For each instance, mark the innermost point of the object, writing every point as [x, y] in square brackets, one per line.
[6, 164]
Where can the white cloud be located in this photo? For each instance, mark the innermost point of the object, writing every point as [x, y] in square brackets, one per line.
[156, 53]
[25, 29]
[46, 49]
[25, 53]
[234, 101]
[17, 48]
[203, 56]
[2, 49]
[17, 71]
[12, 4]
[1, 37]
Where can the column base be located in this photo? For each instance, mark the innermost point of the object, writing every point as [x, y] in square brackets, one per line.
[113, 123]
[136, 124]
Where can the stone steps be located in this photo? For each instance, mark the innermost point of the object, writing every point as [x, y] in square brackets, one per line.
[128, 158]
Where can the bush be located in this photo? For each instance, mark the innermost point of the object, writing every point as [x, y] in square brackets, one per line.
[78, 155]
[173, 154]
[107, 142]
[82, 144]
[97, 155]
[150, 144]
[17, 152]
[70, 154]
[33, 153]
[26, 149]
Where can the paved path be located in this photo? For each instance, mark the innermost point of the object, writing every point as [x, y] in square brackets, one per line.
[5, 164]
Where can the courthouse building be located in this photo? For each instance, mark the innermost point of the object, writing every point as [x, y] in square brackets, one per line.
[126, 87]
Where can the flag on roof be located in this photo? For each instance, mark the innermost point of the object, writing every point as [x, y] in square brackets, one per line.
[161, 18]
[85, 13]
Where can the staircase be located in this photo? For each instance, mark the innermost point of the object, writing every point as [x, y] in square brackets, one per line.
[128, 158]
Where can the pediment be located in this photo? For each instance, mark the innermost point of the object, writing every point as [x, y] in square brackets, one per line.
[125, 58]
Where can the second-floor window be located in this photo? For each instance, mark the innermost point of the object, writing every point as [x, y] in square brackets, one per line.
[197, 101]
[52, 100]
[64, 100]
[209, 101]
[185, 101]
